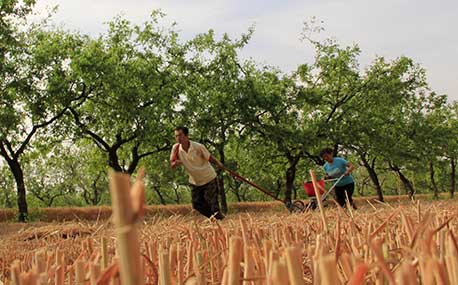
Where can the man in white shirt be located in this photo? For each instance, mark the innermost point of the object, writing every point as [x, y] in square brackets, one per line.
[196, 159]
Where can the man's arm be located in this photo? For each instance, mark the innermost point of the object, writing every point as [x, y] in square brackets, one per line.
[207, 155]
[175, 163]
[174, 159]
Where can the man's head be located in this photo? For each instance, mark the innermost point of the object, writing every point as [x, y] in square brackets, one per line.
[326, 154]
[181, 134]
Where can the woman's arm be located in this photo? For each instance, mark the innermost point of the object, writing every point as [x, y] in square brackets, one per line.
[349, 167]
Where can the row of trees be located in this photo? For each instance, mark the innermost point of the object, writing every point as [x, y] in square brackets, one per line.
[73, 105]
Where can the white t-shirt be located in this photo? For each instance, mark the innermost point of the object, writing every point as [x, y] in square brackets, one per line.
[196, 163]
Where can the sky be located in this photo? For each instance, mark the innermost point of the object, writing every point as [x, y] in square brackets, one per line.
[423, 30]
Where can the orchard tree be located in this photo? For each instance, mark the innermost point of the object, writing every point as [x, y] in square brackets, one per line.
[13, 13]
[164, 186]
[373, 119]
[274, 118]
[434, 134]
[452, 145]
[247, 156]
[214, 94]
[37, 87]
[67, 172]
[136, 71]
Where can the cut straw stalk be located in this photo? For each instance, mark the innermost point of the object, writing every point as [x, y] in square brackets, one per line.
[374, 233]
[328, 270]
[109, 273]
[94, 273]
[164, 268]
[80, 273]
[273, 256]
[29, 278]
[60, 274]
[345, 264]
[349, 206]
[337, 242]
[440, 274]
[43, 279]
[249, 268]
[294, 262]
[180, 265]
[104, 252]
[125, 214]
[190, 258]
[266, 248]
[15, 272]
[279, 272]
[318, 197]
[376, 246]
[40, 261]
[173, 259]
[433, 257]
[407, 274]
[235, 257]
[358, 277]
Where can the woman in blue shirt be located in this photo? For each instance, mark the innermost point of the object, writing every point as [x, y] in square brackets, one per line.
[336, 167]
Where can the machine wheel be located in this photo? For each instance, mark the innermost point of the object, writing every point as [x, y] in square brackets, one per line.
[297, 207]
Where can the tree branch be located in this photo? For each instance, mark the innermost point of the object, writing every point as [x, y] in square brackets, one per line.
[93, 135]
[4, 152]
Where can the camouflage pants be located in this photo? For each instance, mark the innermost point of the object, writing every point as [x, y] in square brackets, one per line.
[205, 199]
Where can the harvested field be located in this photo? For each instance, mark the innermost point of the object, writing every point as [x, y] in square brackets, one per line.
[397, 243]
[98, 213]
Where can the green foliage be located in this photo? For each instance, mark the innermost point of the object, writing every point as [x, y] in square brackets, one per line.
[164, 186]
[7, 189]
[36, 87]
[71, 106]
[67, 175]
[133, 80]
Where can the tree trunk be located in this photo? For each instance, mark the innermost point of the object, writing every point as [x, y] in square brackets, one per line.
[290, 176]
[237, 195]
[235, 188]
[222, 192]
[113, 160]
[21, 196]
[407, 185]
[452, 177]
[405, 181]
[373, 175]
[159, 194]
[50, 201]
[278, 188]
[97, 196]
[177, 195]
[433, 181]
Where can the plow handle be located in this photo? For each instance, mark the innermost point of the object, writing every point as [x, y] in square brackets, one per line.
[238, 176]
